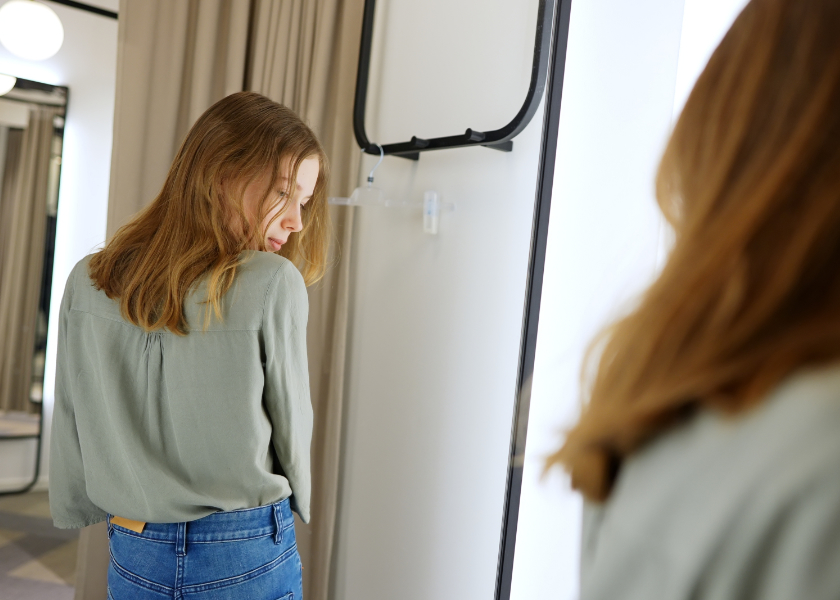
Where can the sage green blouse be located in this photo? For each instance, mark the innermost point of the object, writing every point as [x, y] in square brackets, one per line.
[743, 507]
[164, 428]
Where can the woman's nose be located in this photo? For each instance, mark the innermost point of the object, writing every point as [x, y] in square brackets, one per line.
[292, 219]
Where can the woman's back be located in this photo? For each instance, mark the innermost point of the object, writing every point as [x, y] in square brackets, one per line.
[727, 507]
[173, 427]
[181, 393]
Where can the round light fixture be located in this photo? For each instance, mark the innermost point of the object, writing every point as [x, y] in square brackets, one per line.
[30, 30]
[7, 82]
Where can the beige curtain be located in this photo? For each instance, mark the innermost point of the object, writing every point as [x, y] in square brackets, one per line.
[177, 57]
[10, 142]
[304, 54]
[24, 222]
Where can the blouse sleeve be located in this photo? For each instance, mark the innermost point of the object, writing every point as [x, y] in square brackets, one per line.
[286, 393]
[69, 503]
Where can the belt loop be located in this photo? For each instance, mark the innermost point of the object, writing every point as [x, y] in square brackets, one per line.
[278, 523]
[181, 540]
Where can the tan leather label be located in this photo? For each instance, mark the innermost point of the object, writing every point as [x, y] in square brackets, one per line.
[128, 523]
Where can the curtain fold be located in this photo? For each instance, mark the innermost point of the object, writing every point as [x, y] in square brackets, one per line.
[10, 140]
[175, 59]
[304, 54]
[24, 214]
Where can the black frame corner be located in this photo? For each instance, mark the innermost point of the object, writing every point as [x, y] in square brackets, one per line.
[498, 139]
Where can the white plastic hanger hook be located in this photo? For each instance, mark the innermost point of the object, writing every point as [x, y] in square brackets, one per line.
[381, 158]
[431, 212]
[368, 195]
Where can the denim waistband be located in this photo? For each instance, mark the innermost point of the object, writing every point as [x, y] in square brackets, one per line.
[241, 524]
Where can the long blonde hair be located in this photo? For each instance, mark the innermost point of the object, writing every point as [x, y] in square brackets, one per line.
[197, 224]
[750, 182]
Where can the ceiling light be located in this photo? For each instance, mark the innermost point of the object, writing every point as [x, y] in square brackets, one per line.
[7, 82]
[30, 30]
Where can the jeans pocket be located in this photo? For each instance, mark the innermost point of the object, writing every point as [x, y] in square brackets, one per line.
[289, 596]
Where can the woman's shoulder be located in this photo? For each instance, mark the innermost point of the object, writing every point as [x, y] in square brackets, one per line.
[268, 272]
[723, 484]
[265, 266]
[800, 413]
[768, 451]
[263, 282]
[796, 431]
[87, 297]
[78, 280]
[80, 269]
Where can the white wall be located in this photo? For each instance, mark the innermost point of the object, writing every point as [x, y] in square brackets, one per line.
[436, 320]
[623, 83]
[86, 64]
[704, 24]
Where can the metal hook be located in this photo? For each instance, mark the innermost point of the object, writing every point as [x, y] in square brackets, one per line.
[381, 157]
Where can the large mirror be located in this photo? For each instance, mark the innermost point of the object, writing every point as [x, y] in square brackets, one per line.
[31, 139]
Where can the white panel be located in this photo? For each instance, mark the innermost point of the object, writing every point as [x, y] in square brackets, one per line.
[437, 319]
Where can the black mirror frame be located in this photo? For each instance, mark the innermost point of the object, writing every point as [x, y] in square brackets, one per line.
[498, 139]
[533, 295]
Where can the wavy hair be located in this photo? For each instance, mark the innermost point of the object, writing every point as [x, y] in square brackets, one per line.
[197, 226]
[750, 183]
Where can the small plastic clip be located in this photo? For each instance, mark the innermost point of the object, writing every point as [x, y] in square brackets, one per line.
[431, 212]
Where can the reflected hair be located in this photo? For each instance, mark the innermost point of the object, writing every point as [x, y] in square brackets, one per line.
[750, 184]
[197, 227]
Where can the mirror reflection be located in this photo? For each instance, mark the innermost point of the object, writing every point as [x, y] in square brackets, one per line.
[31, 138]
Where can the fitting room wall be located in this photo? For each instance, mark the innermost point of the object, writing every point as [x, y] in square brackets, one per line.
[436, 319]
[86, 63]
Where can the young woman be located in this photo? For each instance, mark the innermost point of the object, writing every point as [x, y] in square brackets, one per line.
[709, 449]
[182, 410]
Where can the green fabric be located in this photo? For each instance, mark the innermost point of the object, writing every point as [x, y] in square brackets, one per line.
[727, 508]
[164, 428]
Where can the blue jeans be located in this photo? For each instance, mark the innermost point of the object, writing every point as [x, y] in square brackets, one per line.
[240, 554]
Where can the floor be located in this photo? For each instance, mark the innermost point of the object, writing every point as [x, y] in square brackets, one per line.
[37, 561]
